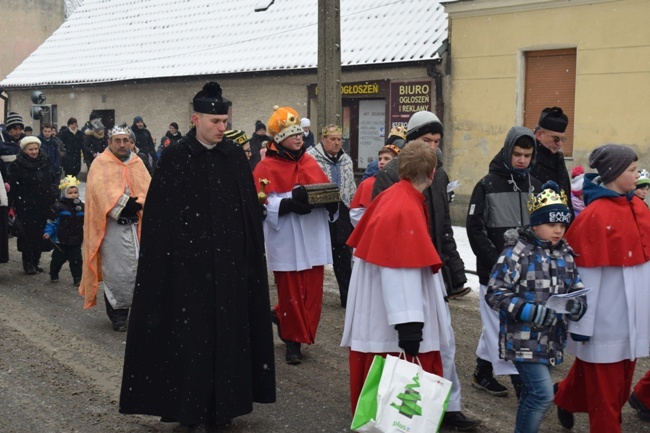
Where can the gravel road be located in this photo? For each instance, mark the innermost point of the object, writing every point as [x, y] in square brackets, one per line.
[60, 369]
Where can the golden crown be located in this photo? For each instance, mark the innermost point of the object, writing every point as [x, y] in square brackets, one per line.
[68, 181]
[399, 131]
[331, 129]
[546, 198]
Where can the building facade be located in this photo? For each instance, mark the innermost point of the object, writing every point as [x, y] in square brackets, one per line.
[509, 59]
[25, 25]
[390, 64]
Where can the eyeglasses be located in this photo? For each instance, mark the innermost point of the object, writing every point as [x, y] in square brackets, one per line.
[248, 151]
[555, 138]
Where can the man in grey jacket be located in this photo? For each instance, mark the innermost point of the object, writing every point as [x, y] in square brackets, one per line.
[337, 165]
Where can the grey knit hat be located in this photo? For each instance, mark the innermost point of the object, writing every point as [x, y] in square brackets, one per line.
[14, 119]
[611, 160]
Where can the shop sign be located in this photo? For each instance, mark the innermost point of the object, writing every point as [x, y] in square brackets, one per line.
[408, 97]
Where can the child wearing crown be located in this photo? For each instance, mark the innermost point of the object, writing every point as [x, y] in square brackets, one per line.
[533, 267]
[65, 228]
[296, 233]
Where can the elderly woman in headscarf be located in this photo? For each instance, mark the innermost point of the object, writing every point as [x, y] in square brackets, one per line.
[31, 194]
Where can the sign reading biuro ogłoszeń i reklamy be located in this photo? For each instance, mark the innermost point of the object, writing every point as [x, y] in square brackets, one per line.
[408, 97]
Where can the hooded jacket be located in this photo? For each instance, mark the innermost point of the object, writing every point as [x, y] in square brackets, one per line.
[94, 143]
[66, 222]
[498, 203]
[530, 271]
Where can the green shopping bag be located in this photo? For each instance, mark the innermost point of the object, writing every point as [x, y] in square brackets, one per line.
[366, 409]
[399, 397]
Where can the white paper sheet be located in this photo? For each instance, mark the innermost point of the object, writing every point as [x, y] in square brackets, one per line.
[558, 302]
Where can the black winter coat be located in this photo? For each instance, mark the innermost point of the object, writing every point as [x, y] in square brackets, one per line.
[31, 195]
[173, 138]
[53, 147]
[200, 346]
[256, 145]
[144, 142]
[442, 235]
[72, 147]
[93, 144]
[551, 166]
[499, 202]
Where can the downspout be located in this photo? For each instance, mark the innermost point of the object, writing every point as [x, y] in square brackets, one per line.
[433, 72]
[5, 98]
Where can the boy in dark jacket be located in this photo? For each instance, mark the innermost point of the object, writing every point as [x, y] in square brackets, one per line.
[65, 228]
[498, 204]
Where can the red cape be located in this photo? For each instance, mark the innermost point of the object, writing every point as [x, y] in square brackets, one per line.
[611, 232]
[284, 174]
[363, 196]
[393, 231]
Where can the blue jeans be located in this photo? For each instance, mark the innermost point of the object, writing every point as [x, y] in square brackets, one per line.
[536, 395]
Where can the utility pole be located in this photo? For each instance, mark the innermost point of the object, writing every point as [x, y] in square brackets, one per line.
[329, 63]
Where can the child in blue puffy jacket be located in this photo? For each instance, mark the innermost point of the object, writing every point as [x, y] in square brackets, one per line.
[65, 228]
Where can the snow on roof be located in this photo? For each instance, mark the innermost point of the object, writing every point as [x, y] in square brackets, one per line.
[117, 40]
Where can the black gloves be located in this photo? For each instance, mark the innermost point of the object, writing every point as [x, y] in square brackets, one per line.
[300, 194]
[410, 335]
[543, 317]
[131, 208]
[576, 309]
[290, 205]
[298, 203]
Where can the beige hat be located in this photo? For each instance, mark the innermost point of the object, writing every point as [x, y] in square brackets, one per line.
[29, 140]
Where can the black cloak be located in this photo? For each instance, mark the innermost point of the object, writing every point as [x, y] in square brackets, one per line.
[199, 347]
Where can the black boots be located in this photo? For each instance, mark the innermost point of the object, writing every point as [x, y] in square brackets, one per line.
[31, 262]
[276, 321]
[484, 379]
[293, 356]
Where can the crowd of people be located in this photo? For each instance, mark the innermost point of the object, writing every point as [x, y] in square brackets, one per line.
[178, 237]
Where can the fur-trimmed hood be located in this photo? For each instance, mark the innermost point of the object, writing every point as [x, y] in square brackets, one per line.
[98, 135]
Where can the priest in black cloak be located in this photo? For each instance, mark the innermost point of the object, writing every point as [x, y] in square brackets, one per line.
[199, 349]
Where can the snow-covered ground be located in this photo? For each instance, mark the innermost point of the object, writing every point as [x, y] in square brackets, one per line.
[465, 251]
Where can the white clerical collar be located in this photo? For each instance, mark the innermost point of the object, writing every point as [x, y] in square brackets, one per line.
[207, 146]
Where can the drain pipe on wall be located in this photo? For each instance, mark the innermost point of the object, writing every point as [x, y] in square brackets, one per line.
[5, 100]
[433, 72]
